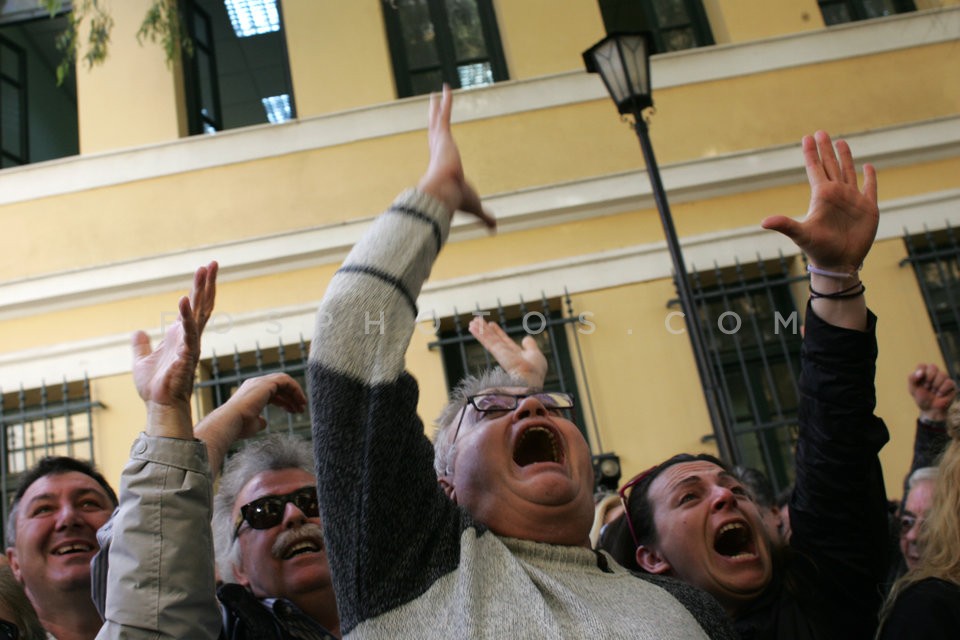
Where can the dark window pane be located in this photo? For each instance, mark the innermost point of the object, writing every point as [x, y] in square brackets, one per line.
[419, 35]
[426, 82]
[466, 29]
[10, 118]
[836, 14]
[878, 8]
[679, 39]
[671, 13]
[10, 63]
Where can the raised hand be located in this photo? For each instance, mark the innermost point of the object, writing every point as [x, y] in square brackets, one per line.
[524, 361]
[932, 390]
[841, 223]
[164, 376]
[444, 178]
[240, 416]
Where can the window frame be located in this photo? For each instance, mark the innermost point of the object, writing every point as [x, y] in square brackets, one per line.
[771, 417]
[446, 52]
[697, 21]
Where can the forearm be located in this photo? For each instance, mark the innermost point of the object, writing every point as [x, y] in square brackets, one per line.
[159, 563]
[848, 313]
[367, 316]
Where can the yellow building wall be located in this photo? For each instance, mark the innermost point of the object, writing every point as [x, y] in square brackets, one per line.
[116, 425]
[542, 37]
[744, 20]
[643, 379]
[338, 53]
[546, 146]
[145, 110]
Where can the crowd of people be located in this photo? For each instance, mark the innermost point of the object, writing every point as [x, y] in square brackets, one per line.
[492, 529]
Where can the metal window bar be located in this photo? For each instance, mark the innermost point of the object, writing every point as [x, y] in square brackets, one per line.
[757, 365]
[463, 354]
[935, 258]
[227, 373]
[49, 421]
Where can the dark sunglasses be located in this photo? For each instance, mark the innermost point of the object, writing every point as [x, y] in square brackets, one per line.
[9, 631]
[267, 512]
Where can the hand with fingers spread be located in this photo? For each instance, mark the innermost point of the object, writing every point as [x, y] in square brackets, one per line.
[444, 178]
[837, 231]
[525, 361]
[841, 223]
[933, 391]
[240, 416]
[164, 376]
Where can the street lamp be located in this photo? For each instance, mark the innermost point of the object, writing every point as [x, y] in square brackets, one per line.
[623, 61]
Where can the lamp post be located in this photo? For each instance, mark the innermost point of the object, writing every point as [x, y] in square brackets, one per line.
[623, 62]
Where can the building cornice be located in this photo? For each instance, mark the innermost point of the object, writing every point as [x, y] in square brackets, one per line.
[80, 173]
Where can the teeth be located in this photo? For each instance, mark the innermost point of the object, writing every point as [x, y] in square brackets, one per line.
[729, 527]
[70, 548]
[305, 545]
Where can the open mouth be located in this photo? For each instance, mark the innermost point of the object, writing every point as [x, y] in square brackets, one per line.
[735, 540]
[537, 444]
[302, 547]
[76, 547]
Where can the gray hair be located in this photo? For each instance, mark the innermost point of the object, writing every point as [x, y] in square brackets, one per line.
[923, 474]
[445, 451]
[270, 453]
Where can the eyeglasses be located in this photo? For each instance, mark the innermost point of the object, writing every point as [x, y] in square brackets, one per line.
[9, 631]
[624, 494]
[907, 522]
[267, 512]
[486, 403]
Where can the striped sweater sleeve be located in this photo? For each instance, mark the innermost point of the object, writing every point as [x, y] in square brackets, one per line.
[367, 316]
[390, 530]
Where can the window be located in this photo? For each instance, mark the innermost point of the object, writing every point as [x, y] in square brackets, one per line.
[49, 421]
[437, 41]
[221, 376]
[674, 24]
[841, 11]
[38, 119]
[752, 337]
[935, 257]
[239, 72]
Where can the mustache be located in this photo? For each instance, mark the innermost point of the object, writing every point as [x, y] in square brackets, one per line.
[286, 539]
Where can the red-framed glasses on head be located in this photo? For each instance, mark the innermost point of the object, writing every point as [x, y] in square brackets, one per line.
[624, 494]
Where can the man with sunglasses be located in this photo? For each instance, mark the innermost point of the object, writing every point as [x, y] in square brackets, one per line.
[488, 534]
[270, 546]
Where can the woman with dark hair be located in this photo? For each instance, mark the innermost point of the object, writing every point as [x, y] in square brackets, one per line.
[691, 517]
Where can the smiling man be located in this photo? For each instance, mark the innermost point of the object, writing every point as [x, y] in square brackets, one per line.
[51, 537]
[497, 543]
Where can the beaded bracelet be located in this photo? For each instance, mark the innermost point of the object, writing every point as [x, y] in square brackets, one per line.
[850, 292]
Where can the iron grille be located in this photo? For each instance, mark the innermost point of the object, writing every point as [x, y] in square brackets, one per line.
[48, 421]
[935, 258]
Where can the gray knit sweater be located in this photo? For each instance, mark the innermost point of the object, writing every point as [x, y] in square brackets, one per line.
[406, 561]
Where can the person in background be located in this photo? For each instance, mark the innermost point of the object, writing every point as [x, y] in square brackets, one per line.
[924, 604]
[18, 620]
[58, 506]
